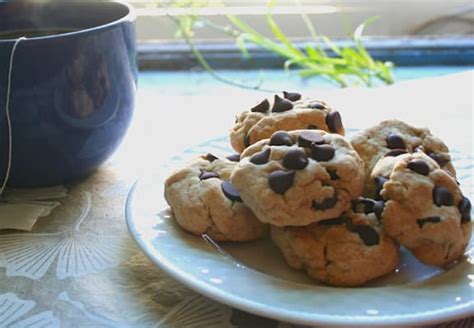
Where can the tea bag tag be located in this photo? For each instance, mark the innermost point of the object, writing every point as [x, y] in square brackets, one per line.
[7, 113]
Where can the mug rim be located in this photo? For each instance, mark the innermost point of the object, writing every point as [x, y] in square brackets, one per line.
[130, 16]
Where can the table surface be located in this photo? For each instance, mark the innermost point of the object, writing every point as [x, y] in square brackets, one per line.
[47, 283]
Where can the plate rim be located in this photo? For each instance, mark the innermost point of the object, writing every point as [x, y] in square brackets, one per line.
[217, 294]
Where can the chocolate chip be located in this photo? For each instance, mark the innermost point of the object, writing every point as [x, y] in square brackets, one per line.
[438, 158]
[332, 174]
[334, 122]
[322, 153]
[280, 181]
[395, 152]
[312, 127]
[394, 141]
[211, 158]
[292, 96]
[246, 141]
[442, 197]
[316, 105]
[262, 107]
[431, 219]
[295, 159]
[230, 192]
[306, 138]
[335, 221]
[363, 205]
[369, 236]
[281, 138]
[234, 157]
[261, 157]
[208, 175]
[379, 182]
[419, 167]
[325, 204]
[378, 209]
[465, 209]
[281, 105]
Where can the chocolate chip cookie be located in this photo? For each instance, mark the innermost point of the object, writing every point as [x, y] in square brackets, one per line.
[203, 201]
[299, 177]
[424, 209]
[290, 112]
[393, 138]
[346, 251]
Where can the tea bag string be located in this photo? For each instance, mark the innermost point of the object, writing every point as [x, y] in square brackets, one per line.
[7, 112]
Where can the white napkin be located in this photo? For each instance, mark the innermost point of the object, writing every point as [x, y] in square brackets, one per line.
[21, 208]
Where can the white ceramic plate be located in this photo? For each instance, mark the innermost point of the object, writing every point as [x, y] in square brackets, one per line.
[254, 277]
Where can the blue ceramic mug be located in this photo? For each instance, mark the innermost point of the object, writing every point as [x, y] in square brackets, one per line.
[73, 83]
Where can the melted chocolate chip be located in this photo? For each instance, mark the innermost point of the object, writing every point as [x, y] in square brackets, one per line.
[312, 127]
[379, 182]
[261, 157]
[281, 105]
[230, 192]
[234, 157]
[419, 167]
[364, 205]
[325, 204]
[281, 138]
[334, 122]
[316, 105]
[431, 219]
[208, 175]
[295, 159]
[246, 141]
[292, 96]
[262, 107]
[465, 209]
[438, 158]
[280, 181]
[211, 158]
[394, 141]
[395, 152]
[369, 236]
[332, 174]
[322, 153]
[442, 197]
[378, 209]
[335, 221]
[306, 138]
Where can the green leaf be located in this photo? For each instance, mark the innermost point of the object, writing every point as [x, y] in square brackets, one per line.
[278, 33]
[242, 26]
[331, 45]
[357, 35]
[311, 52]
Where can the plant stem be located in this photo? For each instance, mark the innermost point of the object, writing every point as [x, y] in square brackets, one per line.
[203, 62]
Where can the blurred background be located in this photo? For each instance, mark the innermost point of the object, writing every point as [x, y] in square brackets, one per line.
[237, 34]
[333, 18]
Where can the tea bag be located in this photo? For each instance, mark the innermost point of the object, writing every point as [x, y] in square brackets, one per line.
[21, 208]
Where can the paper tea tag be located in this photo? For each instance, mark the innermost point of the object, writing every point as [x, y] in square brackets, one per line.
[21, 208]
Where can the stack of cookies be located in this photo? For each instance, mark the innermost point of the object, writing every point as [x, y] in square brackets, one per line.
[336, 208]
